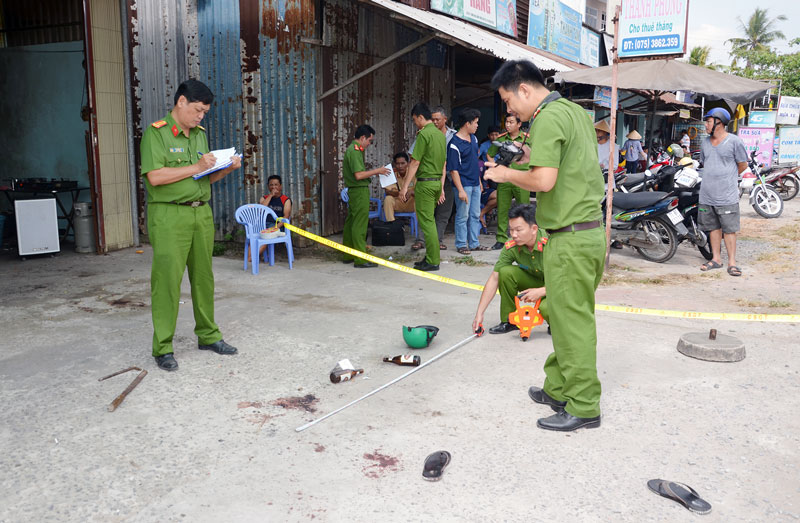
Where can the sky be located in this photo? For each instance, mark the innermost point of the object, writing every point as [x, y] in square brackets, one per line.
[710, 25]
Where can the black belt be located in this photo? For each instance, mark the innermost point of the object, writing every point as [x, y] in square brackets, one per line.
[437, 179]
[190, 204]
[578, 227]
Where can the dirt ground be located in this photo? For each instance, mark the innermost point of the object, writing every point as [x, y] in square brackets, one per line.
[216, 440]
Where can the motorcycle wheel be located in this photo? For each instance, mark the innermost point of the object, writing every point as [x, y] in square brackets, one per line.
[669, 240]
[787, 187]
[767, 202]
[705, 250]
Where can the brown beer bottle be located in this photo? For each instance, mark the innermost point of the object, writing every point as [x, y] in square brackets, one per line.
[408, 360]
[341, 375]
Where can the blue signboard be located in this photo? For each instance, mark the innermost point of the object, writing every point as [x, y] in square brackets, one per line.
[761, 118]
[652, 27]
[555, 27]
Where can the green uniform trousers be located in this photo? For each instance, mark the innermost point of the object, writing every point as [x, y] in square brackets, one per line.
[506, 191]
[512, 281]
[182, 237]
[355, 225]
[573, 266]
[427, 195]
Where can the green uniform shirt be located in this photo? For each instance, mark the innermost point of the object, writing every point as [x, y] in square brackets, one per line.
[506, 138]
[565, 139]
[354, 163]
[530, 261]
[430, 150]
[165, 145]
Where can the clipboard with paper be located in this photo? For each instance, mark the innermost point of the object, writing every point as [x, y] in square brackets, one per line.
[224, 160]
[388, 179]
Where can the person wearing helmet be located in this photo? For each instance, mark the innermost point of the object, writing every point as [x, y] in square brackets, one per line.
[724, 157]
[519, 270]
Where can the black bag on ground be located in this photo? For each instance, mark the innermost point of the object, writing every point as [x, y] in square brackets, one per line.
[388, 233]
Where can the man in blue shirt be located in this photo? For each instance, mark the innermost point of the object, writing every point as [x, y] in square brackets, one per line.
[462, 164]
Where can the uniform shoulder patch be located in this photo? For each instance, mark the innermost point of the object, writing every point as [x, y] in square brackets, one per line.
[541, 243]
[510, 243]
[159, 124]
[359, 148]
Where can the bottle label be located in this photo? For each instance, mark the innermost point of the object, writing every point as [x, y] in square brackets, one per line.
[407, 358]
[344, 377]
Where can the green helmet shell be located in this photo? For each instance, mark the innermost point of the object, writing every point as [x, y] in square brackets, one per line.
[420, 336]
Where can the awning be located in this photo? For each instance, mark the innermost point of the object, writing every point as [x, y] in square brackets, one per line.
[468, 35]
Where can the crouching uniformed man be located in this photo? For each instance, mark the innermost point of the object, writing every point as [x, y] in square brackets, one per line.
[179, 221]
[518, 271]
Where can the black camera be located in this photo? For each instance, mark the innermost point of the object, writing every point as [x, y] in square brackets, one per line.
[508, 153]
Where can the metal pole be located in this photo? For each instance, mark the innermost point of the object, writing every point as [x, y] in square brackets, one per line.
[613, 110]
[412, 371]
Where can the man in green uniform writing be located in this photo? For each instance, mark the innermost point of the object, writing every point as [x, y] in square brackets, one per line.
[427, 166]
[519, 270]
[565, 173]
[506, 191]
[179, 221]
[356, 179]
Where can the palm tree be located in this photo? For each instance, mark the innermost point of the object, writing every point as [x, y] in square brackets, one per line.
[759, 32]
[699, 56]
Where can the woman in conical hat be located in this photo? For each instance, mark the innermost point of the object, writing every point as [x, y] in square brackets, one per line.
[604, 145]
[633, 151]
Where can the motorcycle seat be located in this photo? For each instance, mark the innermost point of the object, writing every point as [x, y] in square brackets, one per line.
[637, 200]
[633, 179]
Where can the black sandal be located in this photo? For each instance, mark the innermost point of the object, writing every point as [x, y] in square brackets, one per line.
[435, 465]
[683, 494]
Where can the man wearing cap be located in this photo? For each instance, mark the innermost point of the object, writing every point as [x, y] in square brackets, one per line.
[633, 151]
[179, 221]
[565, 173]
[604, 145]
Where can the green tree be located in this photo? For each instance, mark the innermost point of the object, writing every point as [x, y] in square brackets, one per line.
[699, 56]
[759, 31]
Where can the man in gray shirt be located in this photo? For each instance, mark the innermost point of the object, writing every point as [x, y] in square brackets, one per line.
[724, 157]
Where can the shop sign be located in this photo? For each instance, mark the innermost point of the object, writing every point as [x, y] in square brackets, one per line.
[590, 47]
[758, 139]
[685, 114]
[788, 110]
[652, 27]
[500, 15]
[602, 97]
[761, 118]
[789, 145]
[555, 27]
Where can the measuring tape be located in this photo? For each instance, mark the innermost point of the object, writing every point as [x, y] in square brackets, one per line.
[724, 316]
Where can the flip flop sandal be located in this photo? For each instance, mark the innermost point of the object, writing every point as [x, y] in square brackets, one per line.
[707, 266]
[435, 465]
[733, 270]
[442, 247]
[417, 246]
[464, 250]
[480, 248]
[683, 494]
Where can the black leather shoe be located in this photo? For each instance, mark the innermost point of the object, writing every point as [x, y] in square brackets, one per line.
[365, 265]
[565, 422]
[497, 246]
[502, 328]
[540, 396]
[166, 362]
[427, 267]
[419, 263]
[219, 347]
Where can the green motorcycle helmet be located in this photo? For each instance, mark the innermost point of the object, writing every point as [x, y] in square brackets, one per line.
[420, 336]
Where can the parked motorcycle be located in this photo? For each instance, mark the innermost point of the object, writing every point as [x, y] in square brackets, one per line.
[784, 180]
[764, 199]
[650, 222]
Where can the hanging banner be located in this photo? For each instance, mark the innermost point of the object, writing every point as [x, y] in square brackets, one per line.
[590, 47]
[759, 139]
[653, 27]
[500, 15]
[761, 118]
[789, 145]
[602, 97]
[554, 26]
[788, 110]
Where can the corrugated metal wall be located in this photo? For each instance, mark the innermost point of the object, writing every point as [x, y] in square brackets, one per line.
[263, 77]
[382, 99]
[23, 22]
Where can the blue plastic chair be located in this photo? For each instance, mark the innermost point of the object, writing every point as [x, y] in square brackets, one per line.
[254, 218]
[376, 213]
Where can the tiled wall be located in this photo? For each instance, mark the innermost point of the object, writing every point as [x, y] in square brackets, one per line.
[111, 122]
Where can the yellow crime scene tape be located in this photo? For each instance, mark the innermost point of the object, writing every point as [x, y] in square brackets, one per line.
[724, 316]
